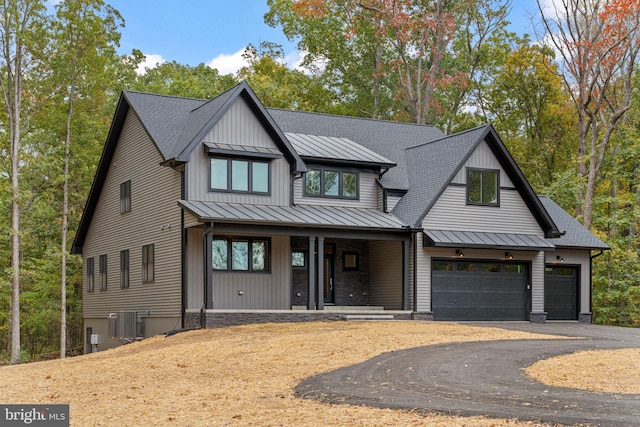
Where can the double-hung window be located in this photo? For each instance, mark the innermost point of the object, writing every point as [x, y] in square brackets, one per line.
[331, 183]
[91, 278]
[125, 197]
[483, 187]
[249, 254]
[239, 175]
[103, 272]
[148, 271]
[124, 268]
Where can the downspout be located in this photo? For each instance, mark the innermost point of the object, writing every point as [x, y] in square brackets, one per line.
[292, 200]
[415, 271]
[591, 258]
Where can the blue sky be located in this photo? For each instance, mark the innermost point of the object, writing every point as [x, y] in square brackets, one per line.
[215, 32]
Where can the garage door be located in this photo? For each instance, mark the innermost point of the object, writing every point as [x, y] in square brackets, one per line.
[472, 290]
[561, 293]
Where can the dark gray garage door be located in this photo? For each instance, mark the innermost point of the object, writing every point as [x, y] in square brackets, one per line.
[561, 293]
[472, 290]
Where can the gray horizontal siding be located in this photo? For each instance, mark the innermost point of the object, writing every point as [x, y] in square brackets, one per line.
[154, 219]
[451, 212]
[482, 158]
[238, 127]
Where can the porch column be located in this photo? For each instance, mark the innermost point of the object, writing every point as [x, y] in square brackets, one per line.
[311, 301]
[405, 274]
[320, 276]
[208, 267]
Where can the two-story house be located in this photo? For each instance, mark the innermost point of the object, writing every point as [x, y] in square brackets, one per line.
[215, 212]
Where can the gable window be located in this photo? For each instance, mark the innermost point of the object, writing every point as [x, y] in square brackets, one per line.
[148, 264]
[103, 272]
[239, 175]
[331, 183]
[124, 269]
[91, 280]
[483, 187]
[241, 254]
[125, 197]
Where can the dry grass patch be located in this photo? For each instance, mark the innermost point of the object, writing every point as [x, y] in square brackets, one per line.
[611, 371]
[241, 375]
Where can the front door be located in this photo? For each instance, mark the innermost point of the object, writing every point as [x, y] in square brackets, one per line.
[329, 273]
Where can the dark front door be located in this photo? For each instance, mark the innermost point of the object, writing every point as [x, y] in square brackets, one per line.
[329, 273]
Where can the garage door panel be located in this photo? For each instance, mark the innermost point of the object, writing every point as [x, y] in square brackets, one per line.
[477, 295]
[561, 293]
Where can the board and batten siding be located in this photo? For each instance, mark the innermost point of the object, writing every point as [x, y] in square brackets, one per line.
[385, 275]
[482, 158]
[264, 291]
[426, 255]
[238, 126]
[573, 258]
[451, 212]
[368, 196]
[154, 219]
[195, 268]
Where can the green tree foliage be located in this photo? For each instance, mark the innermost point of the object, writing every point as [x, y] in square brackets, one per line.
[280, 87]
[175, 79]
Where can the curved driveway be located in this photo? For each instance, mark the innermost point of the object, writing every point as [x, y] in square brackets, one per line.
[484, 378]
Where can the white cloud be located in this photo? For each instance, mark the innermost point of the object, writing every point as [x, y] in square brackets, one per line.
[228, 63]
[151, 60]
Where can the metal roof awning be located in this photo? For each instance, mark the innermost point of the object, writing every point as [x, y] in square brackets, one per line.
[320, 148]
[298, 216]
[241, 150]
[482, 240]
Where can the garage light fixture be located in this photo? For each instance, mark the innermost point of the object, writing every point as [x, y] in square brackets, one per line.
[508, 255]
[559, 259]
[459, 253]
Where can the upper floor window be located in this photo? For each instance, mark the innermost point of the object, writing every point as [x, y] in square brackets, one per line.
[125, 197]
[91, 280]
[331, 183]
[239, 175]
[483, 187]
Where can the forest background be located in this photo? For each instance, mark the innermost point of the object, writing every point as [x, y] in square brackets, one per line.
[566, 102]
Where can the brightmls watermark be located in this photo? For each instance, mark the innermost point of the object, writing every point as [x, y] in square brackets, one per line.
[34, 415]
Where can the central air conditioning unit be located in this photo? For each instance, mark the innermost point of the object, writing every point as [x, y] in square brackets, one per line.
[124, 325]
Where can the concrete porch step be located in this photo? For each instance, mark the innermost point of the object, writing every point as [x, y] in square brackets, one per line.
[348, 317]
[353, 307]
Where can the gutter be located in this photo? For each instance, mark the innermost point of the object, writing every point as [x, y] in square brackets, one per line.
[591, 258]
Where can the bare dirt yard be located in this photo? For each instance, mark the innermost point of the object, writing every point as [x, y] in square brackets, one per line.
[235, 376]
[612, 371]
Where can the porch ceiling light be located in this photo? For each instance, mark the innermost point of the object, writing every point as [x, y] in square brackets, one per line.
[559, 259]
[459, 253]
[508, 255]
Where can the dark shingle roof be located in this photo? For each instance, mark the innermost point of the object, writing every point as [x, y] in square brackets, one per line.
[162, 116]
[576, 235]
[389, 139]
[430, 168]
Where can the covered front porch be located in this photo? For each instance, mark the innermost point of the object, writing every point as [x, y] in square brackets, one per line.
[241, 272]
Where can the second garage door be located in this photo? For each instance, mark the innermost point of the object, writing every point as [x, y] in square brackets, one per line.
[474, 290]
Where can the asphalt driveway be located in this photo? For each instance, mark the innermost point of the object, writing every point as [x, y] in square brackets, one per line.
[484, 378]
